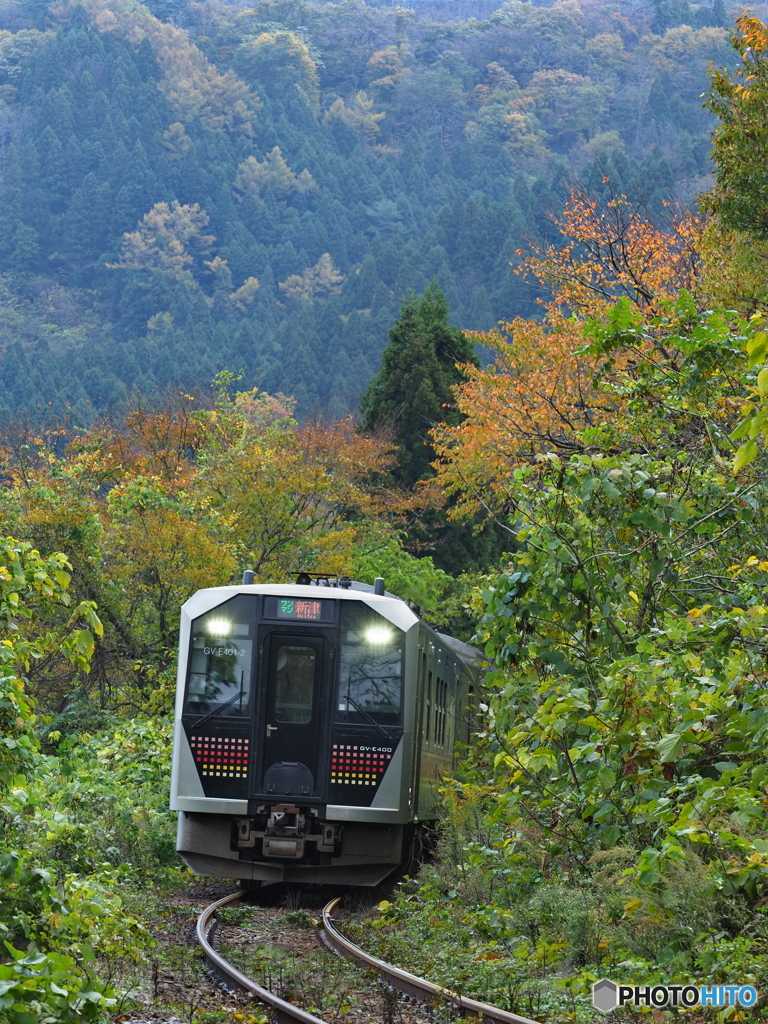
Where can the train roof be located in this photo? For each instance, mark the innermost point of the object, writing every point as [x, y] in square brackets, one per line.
[468, 654]
[391, 606]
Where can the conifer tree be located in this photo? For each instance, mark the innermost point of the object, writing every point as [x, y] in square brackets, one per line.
[411, 393]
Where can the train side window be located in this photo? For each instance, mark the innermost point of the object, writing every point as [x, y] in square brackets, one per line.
[436, 725]
[444, 721]
[370, 667]
[423, 692]
[428, 709]
[293, 668]
[441, 693]
[220, 659]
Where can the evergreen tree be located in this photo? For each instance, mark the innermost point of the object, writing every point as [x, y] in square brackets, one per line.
[658, 97]
[412, 390]
[409, 395]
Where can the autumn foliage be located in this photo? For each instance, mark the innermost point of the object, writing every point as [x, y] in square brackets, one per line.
[544, 386]
[189, 82]
[740, 142]
[183, 496]
[614, 250]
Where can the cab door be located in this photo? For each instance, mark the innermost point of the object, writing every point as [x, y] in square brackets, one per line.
[291, 745]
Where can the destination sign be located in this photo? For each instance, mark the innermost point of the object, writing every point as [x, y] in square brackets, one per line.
[298, 609]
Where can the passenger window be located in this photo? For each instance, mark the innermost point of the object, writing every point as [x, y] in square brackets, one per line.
[220, 659]
[293, 668]
[428, 709]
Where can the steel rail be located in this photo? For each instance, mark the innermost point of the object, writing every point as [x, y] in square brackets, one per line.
[410, 984]
[284, 1012]
[418, 988]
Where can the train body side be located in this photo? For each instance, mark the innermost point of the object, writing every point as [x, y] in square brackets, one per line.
[312, 725]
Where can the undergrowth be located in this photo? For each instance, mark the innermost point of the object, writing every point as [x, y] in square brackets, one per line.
[494, 918]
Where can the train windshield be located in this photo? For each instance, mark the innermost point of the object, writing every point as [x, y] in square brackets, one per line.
[370, 668]
[221, 656]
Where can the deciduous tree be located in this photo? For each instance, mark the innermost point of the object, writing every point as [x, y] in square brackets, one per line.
[278, 62]
[317, 282]
[740, 142]
[254, 176]
[166, 243]
[614, 249]
[192, 85]
[291, 495]
[358, 114]
[542, 390]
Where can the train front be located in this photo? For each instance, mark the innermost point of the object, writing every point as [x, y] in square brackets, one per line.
[293, 745]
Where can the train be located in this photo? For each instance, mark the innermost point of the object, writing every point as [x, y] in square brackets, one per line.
[313, 722]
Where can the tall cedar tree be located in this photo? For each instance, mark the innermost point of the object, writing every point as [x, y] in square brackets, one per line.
[409, 396]
[411, 393]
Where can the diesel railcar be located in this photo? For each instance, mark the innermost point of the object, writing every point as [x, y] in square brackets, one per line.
[313, 721]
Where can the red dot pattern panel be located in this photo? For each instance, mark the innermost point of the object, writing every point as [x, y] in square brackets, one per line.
[352, 766]
[224, 757]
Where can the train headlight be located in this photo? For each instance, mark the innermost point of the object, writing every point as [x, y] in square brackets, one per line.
[218, 627]
[378, 636]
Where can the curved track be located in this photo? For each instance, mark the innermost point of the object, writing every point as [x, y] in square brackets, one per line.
[287, 1013]
[419, 988]
[284, 1013]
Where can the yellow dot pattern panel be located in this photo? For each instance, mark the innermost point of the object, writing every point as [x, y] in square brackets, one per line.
[224, 757]
[352, 766]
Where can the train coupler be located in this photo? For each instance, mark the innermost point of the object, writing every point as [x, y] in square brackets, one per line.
[286, 831]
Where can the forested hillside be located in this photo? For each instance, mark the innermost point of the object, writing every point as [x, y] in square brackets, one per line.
[193, 187]
[611, 817]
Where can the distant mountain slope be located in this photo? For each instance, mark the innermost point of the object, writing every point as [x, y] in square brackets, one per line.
[259, 189]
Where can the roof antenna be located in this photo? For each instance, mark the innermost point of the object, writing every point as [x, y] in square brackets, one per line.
[378, 585]
[248, 577]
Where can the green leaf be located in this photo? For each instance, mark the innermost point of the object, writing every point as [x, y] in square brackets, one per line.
[611, 836]
[757, 346]
[670, 746]
[758, 423]
[744, 456]
[647, 867]
[607, 777]
[742, 429]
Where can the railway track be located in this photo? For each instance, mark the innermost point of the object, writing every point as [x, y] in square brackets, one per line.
[409, 984]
